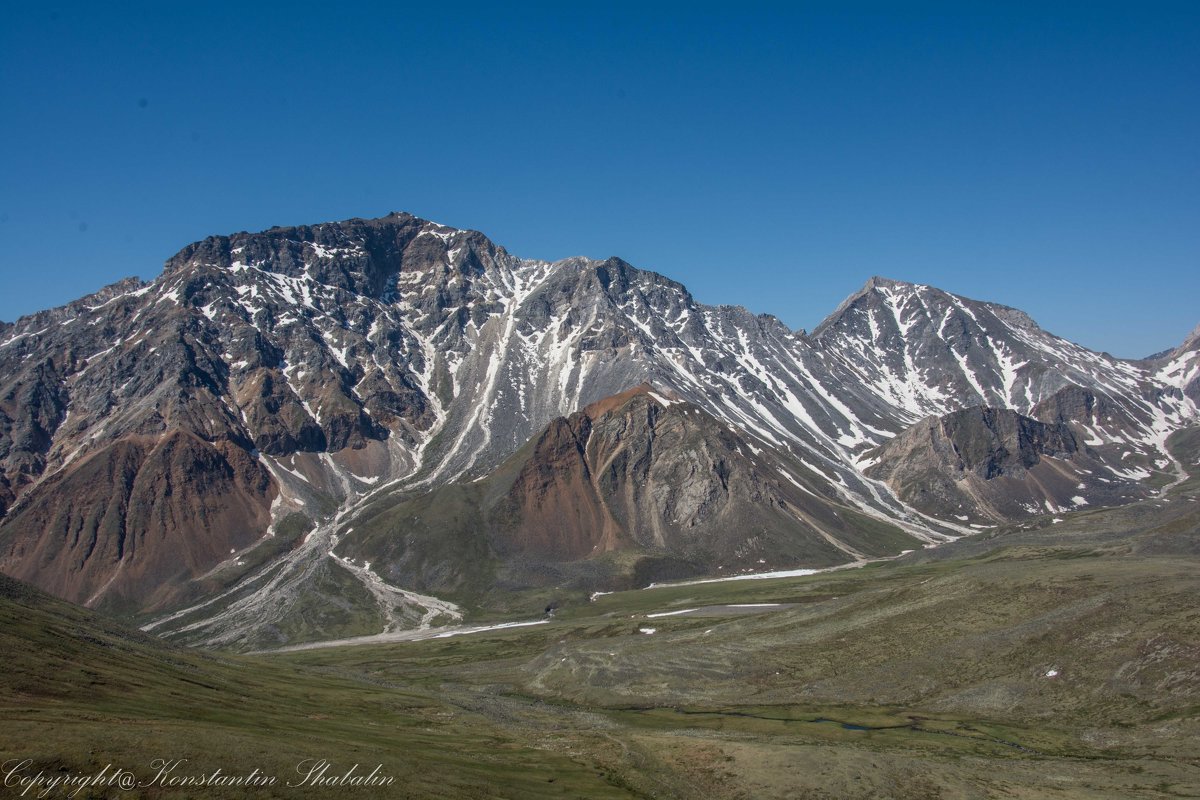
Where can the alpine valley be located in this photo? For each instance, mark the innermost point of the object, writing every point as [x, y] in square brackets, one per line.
[381, 496]
[381, 425]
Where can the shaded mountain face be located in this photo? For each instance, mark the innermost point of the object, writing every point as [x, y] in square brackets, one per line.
[372, 360]
[985, 465]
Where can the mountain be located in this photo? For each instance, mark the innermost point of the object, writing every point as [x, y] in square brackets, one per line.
[219, 430]
[636, 488]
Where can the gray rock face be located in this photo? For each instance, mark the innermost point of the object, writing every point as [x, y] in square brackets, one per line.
[399, 355]
[993, 465]
[1076, 404]
[993, 442]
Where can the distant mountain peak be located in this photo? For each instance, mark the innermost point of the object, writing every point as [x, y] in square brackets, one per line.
[878, 281]
[873, 283]
[1191, 342]
[895, 295]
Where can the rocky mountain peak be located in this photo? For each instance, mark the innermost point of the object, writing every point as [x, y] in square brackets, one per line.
[362, 256]
[878, 281]
[901, 299]
[1190, 343]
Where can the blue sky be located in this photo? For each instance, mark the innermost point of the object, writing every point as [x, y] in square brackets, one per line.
[773, 156]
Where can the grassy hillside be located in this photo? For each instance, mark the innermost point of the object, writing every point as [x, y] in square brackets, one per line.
[80, 692]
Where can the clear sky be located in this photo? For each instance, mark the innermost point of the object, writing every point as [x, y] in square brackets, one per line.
[1042, 155]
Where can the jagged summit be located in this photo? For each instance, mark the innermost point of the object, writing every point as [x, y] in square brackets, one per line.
[870, 291]
[359, 255]
[882, 292]
[877, 281]
[846, 304]
[101, 296]
[1190, 342]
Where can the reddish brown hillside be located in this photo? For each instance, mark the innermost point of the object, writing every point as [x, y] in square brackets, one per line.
[145, 515]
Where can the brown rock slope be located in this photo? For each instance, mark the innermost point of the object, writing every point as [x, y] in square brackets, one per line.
[129, 525]
[634, 488]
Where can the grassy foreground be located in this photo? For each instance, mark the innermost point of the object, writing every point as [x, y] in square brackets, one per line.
[80, 692]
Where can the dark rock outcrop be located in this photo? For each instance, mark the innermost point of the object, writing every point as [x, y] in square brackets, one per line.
[993, 465]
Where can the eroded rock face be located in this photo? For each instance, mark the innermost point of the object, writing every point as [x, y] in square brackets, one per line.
[630, 472]
[993, 442]
[555, 499]
[1074, 404]
[649, 476]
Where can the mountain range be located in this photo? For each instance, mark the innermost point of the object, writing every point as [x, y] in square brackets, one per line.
[370, 425]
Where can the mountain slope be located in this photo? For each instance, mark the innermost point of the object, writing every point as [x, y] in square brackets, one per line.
[635, 488]
[79, 691]
[926, 352]
[1180, 368]
[132, 520]
[638, 474]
